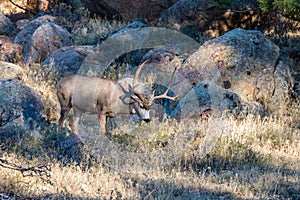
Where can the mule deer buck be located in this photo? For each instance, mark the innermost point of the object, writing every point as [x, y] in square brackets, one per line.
[104, 97]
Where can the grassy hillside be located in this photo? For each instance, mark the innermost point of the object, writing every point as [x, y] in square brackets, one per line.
[218, 157]
[221, 158]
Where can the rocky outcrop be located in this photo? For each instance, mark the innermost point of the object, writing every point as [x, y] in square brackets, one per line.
[22, 23]
[26, 33]
[186, 12]
[19, 105]
[129, 27]
[6, 25]
[242, 62]
[283, 87]
[45, 39]
[129, 10]
[67, 60]
[161, 63]
[9, 51]
[204, 98]
[9, 70]
[208, 17]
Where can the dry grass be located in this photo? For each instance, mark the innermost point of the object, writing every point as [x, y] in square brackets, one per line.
[223, 158]
[215, 158]
[8, 8]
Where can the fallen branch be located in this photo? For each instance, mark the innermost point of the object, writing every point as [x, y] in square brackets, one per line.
[42, 171]
[22, 8]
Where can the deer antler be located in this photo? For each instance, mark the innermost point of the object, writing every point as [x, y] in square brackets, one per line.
[136, 75]
[164, 95]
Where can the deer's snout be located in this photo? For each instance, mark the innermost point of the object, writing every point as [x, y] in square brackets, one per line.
[145, 115]
[147, 120]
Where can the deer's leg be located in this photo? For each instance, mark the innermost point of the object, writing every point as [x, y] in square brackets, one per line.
[63, 115]
[74, 122]
[102, 122]
[101, 117]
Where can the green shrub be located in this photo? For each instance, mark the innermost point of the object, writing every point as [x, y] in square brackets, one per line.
[288, 8]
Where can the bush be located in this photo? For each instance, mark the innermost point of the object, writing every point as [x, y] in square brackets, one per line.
[288, 8]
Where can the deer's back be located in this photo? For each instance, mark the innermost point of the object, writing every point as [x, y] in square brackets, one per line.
[87, 92]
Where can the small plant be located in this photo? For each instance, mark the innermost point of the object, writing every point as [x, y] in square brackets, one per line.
[85, 29]
[91, 31]
[289, 8]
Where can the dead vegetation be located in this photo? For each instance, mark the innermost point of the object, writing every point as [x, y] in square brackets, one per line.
[223, 158]
[215, 158]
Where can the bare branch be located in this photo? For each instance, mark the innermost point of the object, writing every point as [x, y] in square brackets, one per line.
[26, 10]
[42, 171]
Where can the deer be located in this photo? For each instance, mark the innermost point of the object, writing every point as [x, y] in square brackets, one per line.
[105, 98]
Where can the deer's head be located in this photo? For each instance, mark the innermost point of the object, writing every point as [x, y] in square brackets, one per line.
[144, 100]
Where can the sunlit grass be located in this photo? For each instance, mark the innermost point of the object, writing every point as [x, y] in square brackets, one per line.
[249, 158]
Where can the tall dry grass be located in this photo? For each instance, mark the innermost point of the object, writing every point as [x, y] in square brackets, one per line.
[252, 158]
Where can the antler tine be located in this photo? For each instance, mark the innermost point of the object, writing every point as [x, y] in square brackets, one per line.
[164, 95]
[137, 73]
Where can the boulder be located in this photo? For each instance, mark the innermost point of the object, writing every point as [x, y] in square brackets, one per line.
[9, 51]
[133, 57]
[19, 105]
[45, 40]
[129, 10]
[136, 42]
[283, 87]
[67, 60]
[161, 64]
[242, 62]
[26, 33]
[9, 70]
[206, 97]
[6, 25]
[185, 12]
[195, 16]
[22, 23]
[130, 26]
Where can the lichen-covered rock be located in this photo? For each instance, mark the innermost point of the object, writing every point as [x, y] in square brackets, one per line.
[9, 51]
[26, 33]
[67, 60]
[133, 57]
[19, 105]
[242, 62]
[6, 25]
[46, 39]
[134, 42]
[206, 97]
[283, 87]
[22, 23]
[9, 70]
[161, 63]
